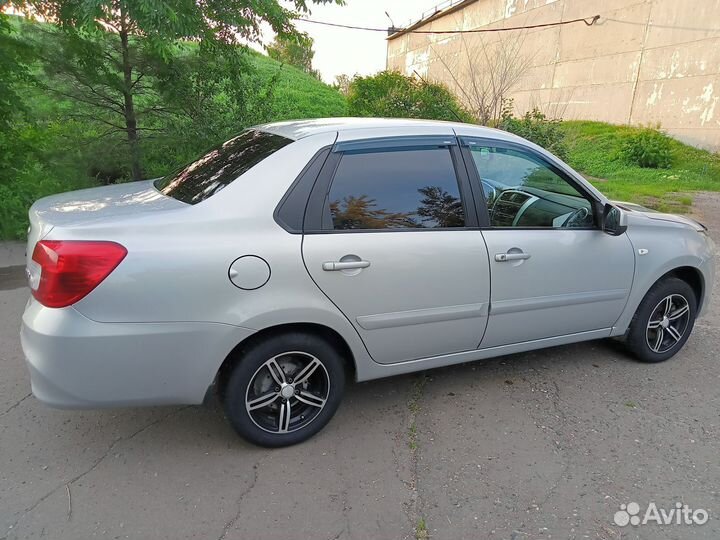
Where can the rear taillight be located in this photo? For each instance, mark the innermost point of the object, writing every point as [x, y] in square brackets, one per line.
[67, 270]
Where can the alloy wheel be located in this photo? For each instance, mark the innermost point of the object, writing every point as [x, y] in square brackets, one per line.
[287, 392]
[668, 323]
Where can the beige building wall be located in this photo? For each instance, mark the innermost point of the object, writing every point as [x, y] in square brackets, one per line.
[643, 62]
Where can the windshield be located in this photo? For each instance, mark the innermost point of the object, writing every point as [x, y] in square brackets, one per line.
[222, 165]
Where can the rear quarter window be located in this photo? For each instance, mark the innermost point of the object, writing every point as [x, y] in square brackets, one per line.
[221, 166]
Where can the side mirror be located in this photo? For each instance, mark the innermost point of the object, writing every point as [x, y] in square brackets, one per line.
[614, 220]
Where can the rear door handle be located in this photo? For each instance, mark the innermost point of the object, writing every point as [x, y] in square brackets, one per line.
[333, 266]
[504, 257]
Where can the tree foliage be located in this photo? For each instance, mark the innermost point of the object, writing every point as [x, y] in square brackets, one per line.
[535, 126]
[342, 83]
[110, 48]
[63, 118]
[392, 94]
[13, 70]
[295, 50]
[212, 22]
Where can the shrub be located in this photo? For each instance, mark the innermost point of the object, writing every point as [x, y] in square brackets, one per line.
[392, 94]
[535, 126]
[647, 148]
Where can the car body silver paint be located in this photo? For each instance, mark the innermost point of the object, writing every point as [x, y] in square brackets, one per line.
[158, 328]
[671, 244]
[575, 281]
[410, 271]
[78, 363]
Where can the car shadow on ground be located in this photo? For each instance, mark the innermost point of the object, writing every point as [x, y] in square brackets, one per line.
[362, 401]
[365, 399]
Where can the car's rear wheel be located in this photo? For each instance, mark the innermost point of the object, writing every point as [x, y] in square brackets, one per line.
[663, 321]
[283, 390]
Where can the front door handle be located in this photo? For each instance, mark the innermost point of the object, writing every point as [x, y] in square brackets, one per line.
[504, 257]
[333, 266]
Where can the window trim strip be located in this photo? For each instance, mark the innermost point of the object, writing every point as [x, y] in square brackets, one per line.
[407, 142]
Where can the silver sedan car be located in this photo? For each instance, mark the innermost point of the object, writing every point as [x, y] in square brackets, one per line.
[299, 254]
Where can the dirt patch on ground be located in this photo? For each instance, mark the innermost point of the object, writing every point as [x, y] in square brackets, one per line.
[706, 208]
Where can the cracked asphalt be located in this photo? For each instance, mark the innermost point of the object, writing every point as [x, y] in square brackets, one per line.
[545, 444]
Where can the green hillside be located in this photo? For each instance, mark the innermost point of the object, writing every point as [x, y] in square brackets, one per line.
[297, 94]
[595, 151]
[57, 144]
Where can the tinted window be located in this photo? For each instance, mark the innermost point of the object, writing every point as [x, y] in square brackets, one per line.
[522, 191]
[218, 168]
[396, 189]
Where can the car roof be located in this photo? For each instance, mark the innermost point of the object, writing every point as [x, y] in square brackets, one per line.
[298, 129]
[371, 128]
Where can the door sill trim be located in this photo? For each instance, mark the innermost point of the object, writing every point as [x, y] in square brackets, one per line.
[376, 370]
[422, 316]
[503, 307]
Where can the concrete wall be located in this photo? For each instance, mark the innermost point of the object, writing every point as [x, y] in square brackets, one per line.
[643, 62]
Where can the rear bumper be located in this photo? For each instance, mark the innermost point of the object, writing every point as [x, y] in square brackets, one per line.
[75, 362]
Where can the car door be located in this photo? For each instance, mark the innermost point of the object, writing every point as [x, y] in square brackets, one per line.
[391, 237]
[553, 271]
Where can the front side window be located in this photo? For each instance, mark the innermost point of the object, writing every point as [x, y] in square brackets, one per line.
[220, 167]
[523, 191]
[401, 189]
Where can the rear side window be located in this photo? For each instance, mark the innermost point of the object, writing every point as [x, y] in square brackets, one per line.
[222, 165]
[402, 189]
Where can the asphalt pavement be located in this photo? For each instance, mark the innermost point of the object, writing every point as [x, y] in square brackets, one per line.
[547, 444]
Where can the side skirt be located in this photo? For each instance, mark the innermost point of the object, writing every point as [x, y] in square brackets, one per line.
[373, 370]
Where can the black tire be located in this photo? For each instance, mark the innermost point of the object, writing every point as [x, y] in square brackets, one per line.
[659, 343]
[247, 385]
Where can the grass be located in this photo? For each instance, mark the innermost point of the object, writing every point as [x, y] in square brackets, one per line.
[594, 151]
[421, 531]
[412, 436]
[298, 95]
[416, 393]
[60, 151]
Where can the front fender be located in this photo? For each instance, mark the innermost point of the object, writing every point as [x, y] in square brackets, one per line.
[660, 249]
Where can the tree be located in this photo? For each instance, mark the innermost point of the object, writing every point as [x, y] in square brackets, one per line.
[87, 68]
[135, 31]
[343, 82]
[13, 71]
[295, 50]
[392, 94]
[485, 70]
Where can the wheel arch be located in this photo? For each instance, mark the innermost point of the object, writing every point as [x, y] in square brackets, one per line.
[325, 332]
[684, 269]
[693, 277]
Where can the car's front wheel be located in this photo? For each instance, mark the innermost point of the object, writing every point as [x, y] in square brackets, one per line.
[663, 321]
[283, 390]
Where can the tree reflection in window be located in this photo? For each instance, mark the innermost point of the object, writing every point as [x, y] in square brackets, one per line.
[362, 213]
[221, 166]
[414, 188]
[440, 208]
[437, 209]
